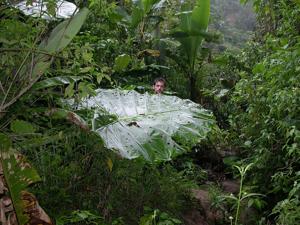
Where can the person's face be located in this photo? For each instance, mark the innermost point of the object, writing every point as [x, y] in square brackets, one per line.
[159, 87]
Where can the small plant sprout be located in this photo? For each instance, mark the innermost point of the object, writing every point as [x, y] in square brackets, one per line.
[242, 195]
[231, 219]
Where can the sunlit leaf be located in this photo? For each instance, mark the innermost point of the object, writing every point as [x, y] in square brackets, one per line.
[258, 68]
[148, 4]
[69, 91]
[85, 89]
[200, 15]
[252, 195]
[121, 62]
[110, 164]
[86, 69]
[156, 127]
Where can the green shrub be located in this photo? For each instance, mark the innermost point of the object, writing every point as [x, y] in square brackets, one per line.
[78, 173]
[265, 112]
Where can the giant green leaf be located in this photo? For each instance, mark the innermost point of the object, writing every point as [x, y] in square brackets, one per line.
[156, 127]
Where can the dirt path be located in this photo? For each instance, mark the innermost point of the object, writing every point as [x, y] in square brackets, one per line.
[205, 213]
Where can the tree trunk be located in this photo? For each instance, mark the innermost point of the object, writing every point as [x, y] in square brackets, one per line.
[193, 88]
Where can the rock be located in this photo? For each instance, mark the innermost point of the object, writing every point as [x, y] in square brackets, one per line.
[230, 186]
[194, 217]
[212, 216]
[203, 197]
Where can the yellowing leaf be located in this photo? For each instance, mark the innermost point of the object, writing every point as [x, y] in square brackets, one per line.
[18, 175]
[109, 164]
[149, 52]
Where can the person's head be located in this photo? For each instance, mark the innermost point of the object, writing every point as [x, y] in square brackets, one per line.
[159, 85]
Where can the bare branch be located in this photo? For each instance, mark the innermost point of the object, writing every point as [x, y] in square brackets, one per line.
[24, 90]
[2, 88]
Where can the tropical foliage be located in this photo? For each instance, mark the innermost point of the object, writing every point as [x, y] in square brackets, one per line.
[191, 32]
[81, 130]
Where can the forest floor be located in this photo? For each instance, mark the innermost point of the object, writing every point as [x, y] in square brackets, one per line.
[207, 213]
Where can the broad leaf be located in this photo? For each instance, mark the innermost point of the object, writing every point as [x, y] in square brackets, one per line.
[62, 34]
[59, 38]
[136, 17]
[200, 15]
[121, 62]
[141, 9]
[22, 127]
[191, 23]
[42, 64]
[201, 34]
[156, 127]
[148, 4]
[18, 174]
[56, 81]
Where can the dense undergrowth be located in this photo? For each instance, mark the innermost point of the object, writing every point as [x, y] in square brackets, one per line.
[87, 176]
[263, 110]
[253, 92]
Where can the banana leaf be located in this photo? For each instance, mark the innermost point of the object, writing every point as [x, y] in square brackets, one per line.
[155, 127]
[140, 10]
[18, 175]
[193, 22]
[64, 32]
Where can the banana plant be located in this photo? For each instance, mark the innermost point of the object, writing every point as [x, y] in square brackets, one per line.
[17, 206]
[38, 60]
[17, 174]
[154, 127]
[142, 12]
[191, 32]
[142, 9]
